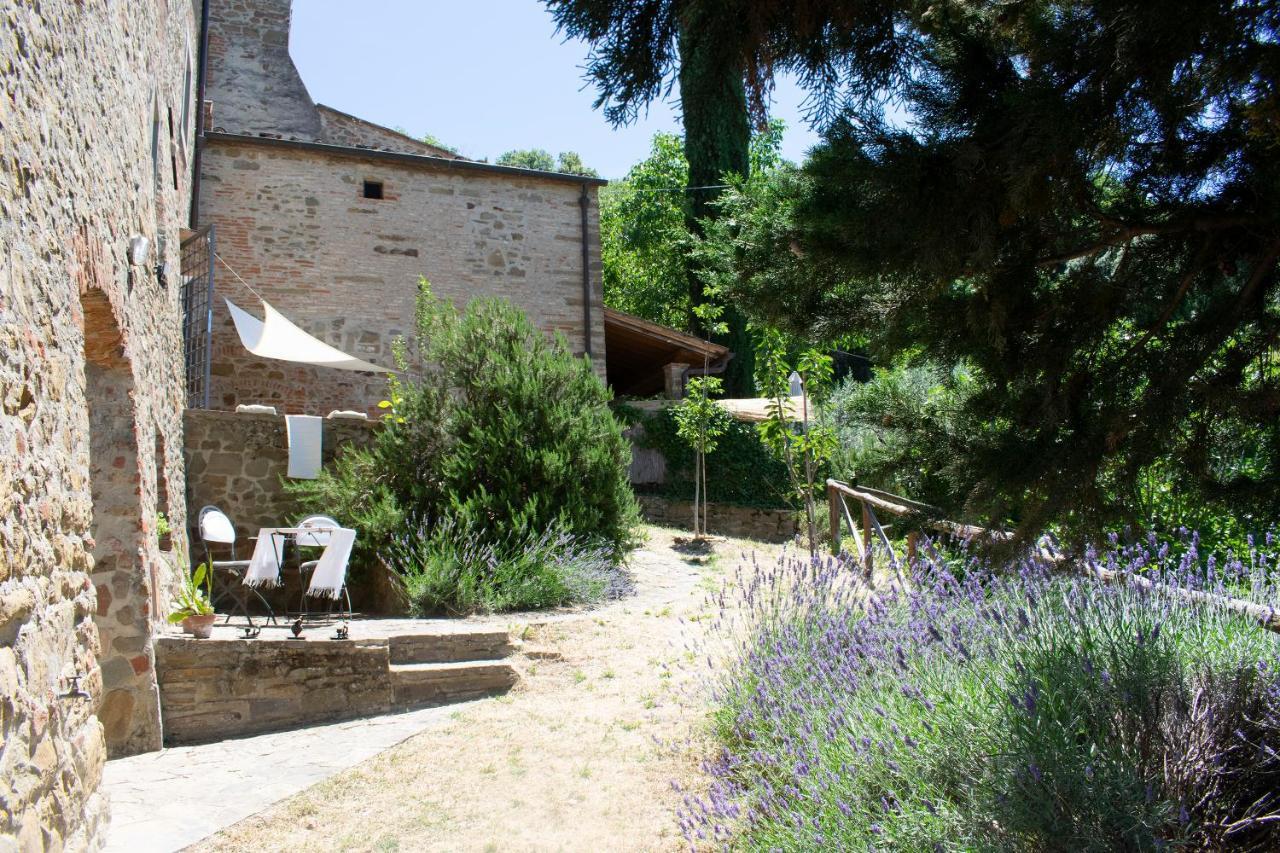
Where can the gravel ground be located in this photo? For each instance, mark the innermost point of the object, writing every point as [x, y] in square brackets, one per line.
[580, 756]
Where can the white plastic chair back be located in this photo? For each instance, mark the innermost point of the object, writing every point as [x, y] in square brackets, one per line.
[216, 527]
[316, 538]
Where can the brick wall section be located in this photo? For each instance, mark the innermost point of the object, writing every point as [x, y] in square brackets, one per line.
[215, 689]
[293, 224]
[85, 87]
[252, 81]
[339, 128]
[237, 462]
[765, 525]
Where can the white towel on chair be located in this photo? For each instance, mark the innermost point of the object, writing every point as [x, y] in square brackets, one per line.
[330, 575]
[264, 565]
[306, 433]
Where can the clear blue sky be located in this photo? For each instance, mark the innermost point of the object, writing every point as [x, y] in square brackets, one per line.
[484, 76]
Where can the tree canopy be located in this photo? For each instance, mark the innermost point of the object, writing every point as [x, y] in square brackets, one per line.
[722, 55]
[1077, 201]
[838, 50]
[569, 162]
[645, 238]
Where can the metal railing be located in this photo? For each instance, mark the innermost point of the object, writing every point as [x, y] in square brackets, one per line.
[197, 314]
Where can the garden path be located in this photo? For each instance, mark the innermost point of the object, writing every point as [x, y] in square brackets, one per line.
[580, 756]
[164, 801]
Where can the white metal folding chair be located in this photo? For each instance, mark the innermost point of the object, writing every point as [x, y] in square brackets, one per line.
[315, 531]
[214, 527]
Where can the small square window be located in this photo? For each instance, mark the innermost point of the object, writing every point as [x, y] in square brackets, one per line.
[373, 189]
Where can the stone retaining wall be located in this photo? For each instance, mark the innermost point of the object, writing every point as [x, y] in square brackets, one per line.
[214, 689]
[238, 461]
[766, 525]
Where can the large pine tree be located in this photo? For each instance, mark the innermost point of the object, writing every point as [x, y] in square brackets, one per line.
[722, 55]
[1081, 202]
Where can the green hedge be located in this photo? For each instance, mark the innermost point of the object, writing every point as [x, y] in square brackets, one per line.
[740, 471]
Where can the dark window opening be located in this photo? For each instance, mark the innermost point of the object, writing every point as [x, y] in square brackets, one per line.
[173, 150]
[373, 189]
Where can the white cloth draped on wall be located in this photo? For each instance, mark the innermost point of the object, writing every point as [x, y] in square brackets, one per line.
[274, 336]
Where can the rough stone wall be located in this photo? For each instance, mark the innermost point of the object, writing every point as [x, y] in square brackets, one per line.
[237, 462]
[339, 128]
[216, 689]
[292, 222]
[87, 160]
[252, 81]
[766, 525]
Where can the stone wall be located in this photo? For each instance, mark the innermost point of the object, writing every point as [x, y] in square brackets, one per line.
[96, 118]
[292, 222]
[252, 82]
[766, 525]
[238, 461]
[339, 128]
[216, 689]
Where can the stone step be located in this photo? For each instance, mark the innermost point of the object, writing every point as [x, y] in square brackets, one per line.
[481, 644]
[417, 684]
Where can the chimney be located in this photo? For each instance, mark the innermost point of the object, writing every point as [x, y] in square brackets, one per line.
[252, 81]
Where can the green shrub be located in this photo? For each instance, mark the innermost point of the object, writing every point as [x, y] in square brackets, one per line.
[740, 471]
[897, 432]
[1010, 709]
[505, 437]
[454, 568]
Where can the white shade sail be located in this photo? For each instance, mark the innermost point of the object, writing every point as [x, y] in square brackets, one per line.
[275, 337]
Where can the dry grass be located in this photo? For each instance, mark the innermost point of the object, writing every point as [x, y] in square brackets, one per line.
[580, 756]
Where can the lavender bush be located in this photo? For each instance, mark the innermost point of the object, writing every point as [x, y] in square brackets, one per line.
[1005, 709]
[452, 567]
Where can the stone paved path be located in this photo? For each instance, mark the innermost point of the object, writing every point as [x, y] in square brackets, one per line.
[164, 801]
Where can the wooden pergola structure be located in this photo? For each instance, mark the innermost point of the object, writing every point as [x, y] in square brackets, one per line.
[645, 358]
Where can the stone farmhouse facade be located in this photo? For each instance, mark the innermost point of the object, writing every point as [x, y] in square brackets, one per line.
[96, 151]
[333, 220]
[126, 131]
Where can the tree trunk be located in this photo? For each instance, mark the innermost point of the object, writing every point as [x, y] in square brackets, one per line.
[702, 465]
[717, 140]
[698, 483]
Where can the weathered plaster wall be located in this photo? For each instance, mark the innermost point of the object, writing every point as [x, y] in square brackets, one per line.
[87, 159]
[294, 225]
[252, 82]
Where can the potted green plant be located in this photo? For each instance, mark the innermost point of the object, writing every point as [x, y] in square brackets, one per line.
[193, 609]
[163, 532]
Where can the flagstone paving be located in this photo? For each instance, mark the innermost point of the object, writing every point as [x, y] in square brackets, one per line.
[164, 801]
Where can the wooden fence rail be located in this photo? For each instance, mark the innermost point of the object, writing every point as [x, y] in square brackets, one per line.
[918, 516]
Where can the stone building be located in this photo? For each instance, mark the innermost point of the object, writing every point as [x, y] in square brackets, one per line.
[333, 220]
[96, 152]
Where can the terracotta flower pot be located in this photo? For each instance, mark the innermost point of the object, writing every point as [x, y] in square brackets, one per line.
[185, 625]
[202, 626]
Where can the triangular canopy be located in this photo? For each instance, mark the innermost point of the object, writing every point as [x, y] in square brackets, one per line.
[275, 337]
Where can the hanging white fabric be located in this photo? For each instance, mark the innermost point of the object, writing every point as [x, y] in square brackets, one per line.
[306, 437]
[275, 337]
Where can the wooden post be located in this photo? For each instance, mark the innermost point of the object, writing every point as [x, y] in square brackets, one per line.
[912, 538]
[833, 517]
[868, 561]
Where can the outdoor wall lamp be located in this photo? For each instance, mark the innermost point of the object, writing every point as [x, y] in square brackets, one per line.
[139, 249]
